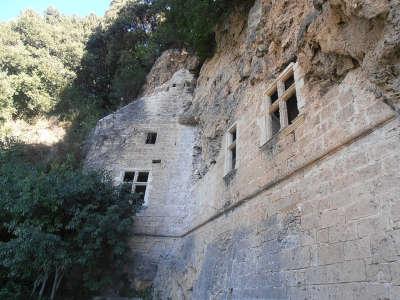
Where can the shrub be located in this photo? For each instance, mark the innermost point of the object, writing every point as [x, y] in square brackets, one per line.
[61, 230]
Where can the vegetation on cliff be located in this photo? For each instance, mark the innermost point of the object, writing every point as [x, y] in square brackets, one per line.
[80, 69]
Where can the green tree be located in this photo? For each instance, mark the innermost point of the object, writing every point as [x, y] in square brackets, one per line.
[40, 54]
[7, 92]
[61, 231]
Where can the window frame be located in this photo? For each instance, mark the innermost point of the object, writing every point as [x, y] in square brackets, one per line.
[284, 94]
[230, 147]
[136, 183]
[149, 137]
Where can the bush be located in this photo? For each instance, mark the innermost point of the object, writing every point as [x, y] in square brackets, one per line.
[61, 230]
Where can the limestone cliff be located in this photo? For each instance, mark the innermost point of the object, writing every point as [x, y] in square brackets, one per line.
[328, 38]
[167, 65]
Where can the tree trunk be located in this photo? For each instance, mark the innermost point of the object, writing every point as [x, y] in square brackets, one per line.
[56, 282]
[43, 285]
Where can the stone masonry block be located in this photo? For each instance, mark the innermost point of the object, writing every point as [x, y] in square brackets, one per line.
[341, 233]
[322, 275]
[330, 218]
[362, 209]
[371, 291]
[352, 271]
[309, 221]
[330, 291]
[379, 272]
[295, 277]
[394, 292]
[357, 249]
[385, 247]
[330, 253]
[371, 226]
[298, 293]
[296, 258]
[322, 236]
[395, 272]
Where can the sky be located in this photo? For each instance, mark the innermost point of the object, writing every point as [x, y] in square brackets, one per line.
[9, 9]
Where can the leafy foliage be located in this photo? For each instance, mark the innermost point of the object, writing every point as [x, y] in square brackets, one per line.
[6, 93]
[60, 229]
[39, 56]
[82, 68]
[135, 33]
[191, 23]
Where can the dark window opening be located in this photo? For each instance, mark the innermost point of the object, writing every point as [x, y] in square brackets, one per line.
[231, 148]
[274, 96]
[276, 122]
[151, 138]
[292, 109]
[129, 176]
[141, 190]
[143, 177]
[233, 133]
[233, 151]
[156, 161]
[289, 82]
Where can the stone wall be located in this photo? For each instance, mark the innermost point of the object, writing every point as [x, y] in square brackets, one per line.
[312, 213]
[315, 235]
[118, 145]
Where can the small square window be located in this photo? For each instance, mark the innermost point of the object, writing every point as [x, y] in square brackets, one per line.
[129, 176]
[143, 177]
[151, 138]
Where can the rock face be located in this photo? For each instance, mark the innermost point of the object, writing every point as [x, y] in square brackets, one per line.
[310, 211]
[328, 38]
[166, 65]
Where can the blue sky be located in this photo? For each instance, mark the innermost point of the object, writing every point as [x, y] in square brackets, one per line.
[10, 9]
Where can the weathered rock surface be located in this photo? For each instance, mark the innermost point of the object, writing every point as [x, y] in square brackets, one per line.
[307, 248]
[312, 213]
[168, 64]
[328, 38]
